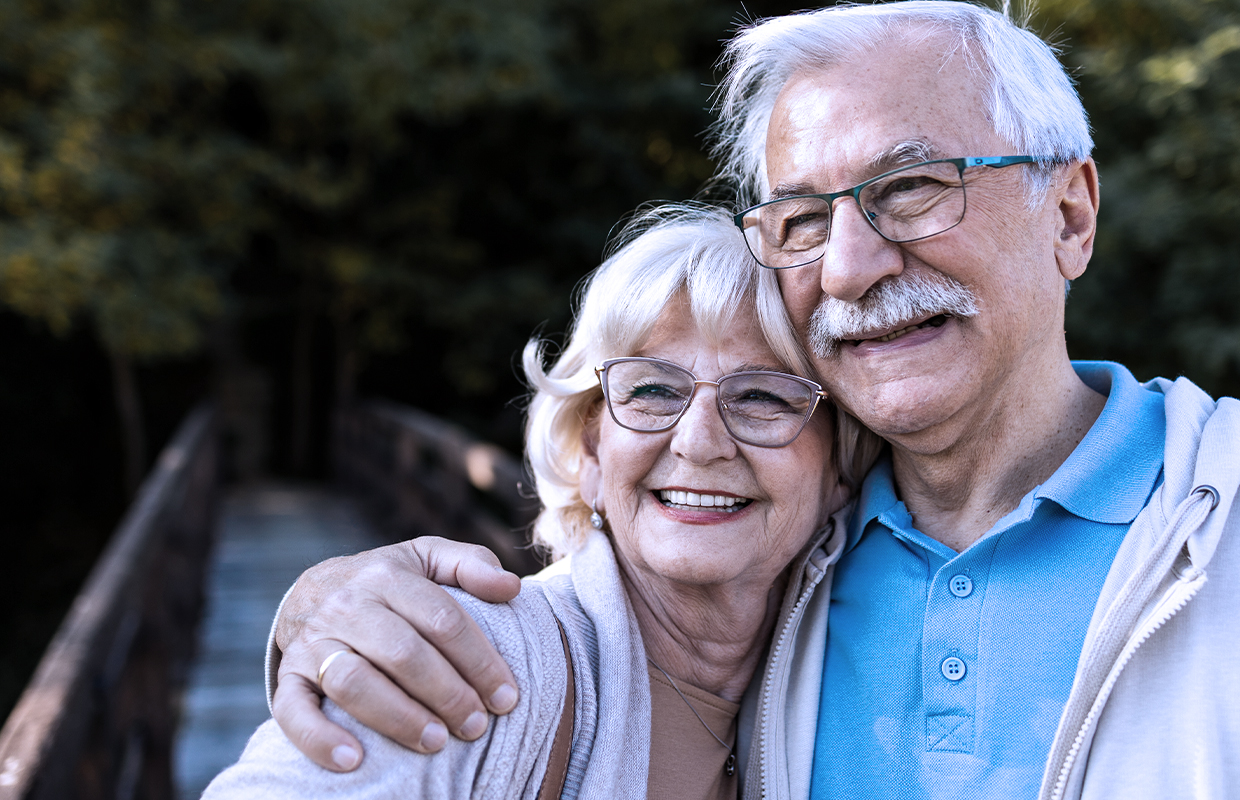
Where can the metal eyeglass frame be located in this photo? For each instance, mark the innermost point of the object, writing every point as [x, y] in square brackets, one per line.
[961, 164]
[818, 394]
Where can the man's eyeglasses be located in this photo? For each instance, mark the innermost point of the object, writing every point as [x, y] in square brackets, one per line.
[903, 205]
[765, 409]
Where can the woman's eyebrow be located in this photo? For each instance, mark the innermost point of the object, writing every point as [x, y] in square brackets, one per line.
[756, 368]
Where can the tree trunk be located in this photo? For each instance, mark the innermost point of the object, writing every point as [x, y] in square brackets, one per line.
[346, 361]
[302, 377]
[129, 408]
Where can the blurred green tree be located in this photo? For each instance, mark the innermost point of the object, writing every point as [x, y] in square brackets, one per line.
[1161, 80]
[89, 223]
[426, 171]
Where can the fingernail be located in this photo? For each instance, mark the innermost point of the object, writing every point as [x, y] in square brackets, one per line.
[504, 699]
[474, 725]
[346, 757]
[434, 737]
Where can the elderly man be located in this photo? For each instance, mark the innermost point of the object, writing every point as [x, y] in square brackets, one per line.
[1023, 599]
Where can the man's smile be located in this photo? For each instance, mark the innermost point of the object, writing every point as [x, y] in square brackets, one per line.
[936, 321]
[892, 308]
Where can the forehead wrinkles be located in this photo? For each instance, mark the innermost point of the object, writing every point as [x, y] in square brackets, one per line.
[934, 83]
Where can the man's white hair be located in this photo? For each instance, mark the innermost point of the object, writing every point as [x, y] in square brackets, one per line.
[668, 252]
[1032, 101]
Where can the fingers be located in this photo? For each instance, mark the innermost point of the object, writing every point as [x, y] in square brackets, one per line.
[353, 683]
[296, 709]
[403, 662]
[421, 666]
[467, 566]
[434, 650]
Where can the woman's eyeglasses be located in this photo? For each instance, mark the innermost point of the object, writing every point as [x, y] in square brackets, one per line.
[761, 408]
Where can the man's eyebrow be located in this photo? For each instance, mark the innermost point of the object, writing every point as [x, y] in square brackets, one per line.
[909, 151]
[785, 190]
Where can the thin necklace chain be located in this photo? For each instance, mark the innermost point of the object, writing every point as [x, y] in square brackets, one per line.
[729, 765]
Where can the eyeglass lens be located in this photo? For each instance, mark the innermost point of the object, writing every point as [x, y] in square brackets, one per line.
[760, 408]
[907, 204]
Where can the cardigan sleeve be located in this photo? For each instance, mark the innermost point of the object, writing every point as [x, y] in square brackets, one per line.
[508, 761]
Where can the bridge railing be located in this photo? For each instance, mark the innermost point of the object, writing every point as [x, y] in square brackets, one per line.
[422, 475]
[96, 720]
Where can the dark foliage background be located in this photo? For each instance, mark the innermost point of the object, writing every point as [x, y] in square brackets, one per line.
[292, 202]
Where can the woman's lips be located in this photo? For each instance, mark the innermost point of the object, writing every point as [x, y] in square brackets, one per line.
[700, 501]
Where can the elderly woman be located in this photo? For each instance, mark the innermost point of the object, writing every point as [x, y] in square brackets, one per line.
[683, 469]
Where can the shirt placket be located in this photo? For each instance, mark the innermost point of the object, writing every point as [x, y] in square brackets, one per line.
[950, 663]
[949, 655]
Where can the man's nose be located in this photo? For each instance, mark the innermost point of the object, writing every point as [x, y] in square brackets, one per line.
[700, 436]
[857, 257]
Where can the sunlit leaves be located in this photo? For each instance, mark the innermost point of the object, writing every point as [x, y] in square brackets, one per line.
[1161, 79]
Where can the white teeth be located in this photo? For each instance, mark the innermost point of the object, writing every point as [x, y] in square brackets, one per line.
[896, 334]
[679, 498]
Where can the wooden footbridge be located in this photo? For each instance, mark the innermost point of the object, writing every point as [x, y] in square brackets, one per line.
[154, 680]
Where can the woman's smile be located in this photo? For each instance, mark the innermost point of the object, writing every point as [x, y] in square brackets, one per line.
[699, 500]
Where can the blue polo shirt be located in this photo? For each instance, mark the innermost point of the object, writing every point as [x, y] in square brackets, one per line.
[946, 672]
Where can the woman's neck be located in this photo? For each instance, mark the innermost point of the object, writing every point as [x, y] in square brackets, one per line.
[713, 637]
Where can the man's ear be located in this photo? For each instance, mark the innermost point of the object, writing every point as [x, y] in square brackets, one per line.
[1078, 218]
[590, 474]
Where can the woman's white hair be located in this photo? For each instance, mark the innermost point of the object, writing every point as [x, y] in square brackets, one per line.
[663, 253]
[1032, 102]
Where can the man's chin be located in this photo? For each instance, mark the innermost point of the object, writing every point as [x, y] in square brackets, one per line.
[901, 402]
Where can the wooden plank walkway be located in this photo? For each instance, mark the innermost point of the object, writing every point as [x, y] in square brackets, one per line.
[266, 536]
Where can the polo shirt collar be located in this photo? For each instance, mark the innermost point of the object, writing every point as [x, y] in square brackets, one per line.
[1108, 477]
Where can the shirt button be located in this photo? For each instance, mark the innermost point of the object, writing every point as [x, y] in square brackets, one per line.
[961, 585]
[953, 668]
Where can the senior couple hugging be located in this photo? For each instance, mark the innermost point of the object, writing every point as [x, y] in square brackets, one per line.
[850, 524]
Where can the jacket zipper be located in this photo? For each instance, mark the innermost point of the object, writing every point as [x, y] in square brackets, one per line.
[1187, 587]
[794, 620]
[1179, 529]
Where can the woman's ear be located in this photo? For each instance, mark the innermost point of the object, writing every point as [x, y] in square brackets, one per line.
[590, 475]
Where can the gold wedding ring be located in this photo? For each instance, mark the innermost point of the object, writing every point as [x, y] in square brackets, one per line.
[327, 662]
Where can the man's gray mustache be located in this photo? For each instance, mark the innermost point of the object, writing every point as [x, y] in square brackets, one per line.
[905, 297]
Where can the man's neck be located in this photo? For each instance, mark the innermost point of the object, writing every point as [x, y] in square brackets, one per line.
[956, 494]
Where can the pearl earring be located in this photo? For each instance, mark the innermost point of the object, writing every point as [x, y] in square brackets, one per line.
[596, 519]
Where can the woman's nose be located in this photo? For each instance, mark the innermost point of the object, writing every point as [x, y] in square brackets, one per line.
[700, 436]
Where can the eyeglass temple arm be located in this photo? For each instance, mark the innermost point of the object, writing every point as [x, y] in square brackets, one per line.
[999, 162]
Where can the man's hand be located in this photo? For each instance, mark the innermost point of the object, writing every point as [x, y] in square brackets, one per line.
[420, 665]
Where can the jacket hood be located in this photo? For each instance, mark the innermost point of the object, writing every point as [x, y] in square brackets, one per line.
[1202, 455]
